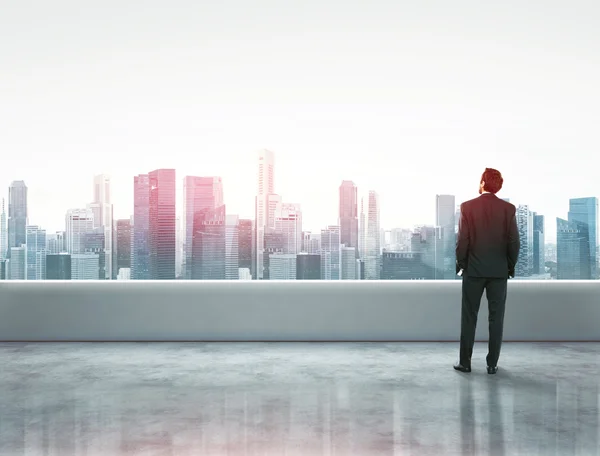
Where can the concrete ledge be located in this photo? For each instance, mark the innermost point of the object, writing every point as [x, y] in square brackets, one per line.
[287, 311]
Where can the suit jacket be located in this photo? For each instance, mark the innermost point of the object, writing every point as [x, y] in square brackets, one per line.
[488, 238]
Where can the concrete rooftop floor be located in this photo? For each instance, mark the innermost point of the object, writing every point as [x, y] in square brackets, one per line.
[297, 399]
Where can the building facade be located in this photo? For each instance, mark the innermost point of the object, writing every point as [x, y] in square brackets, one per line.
[265, 188]
[162, 229]
[584, 212]
[17, 216]
[140, 242]
[199, 194]
[348, 215]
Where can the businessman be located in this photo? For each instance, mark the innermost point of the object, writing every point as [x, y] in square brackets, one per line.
[487, 250]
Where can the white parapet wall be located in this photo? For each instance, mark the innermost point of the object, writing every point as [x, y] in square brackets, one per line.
[286, 311]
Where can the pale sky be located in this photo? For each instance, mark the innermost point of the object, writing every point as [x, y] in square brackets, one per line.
[406, 98]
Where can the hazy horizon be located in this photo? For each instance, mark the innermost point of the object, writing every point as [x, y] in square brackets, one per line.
[410, 100]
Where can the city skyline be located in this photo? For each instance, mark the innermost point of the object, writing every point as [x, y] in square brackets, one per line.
[209, 238]
[332, 219]
[396, 98]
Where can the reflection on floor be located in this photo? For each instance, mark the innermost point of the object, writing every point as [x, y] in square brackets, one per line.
[297, 399]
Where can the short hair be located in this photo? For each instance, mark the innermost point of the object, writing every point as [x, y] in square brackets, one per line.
[493, 180]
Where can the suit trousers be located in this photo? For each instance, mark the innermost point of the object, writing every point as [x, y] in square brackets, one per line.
[472, 291]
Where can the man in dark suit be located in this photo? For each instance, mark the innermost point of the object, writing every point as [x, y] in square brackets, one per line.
[487, 250]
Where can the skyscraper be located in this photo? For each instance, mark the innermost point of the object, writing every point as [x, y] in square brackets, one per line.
[58, 266]
[140, 242]
[348, 215]
[362, 231]
[102, 208]
[56, 243]
[584, 211]
[18, 263]
[311, 242]
[85, 266]
[199, 194]
[539, 252]
[282, 266]
[94, 242]
[123, 245]
[373, 239]
[348, 263]
[288, 221]
[308, 266]
[524, 267]
[78, 222]
[232, 240]
[266, 187]
[331, 253]
[428, 242]
[274, 243]
[3, 233]
[36, 243]
[572, 250]
[209, 245]
[179, 249]
[17, 215]
[162, 234]
[245, 247]
[445, 218]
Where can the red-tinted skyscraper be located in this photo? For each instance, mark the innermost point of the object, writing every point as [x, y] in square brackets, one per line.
[162, 227]
[349, 215]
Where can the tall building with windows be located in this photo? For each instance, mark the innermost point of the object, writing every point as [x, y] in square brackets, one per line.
[179, 251]
[584, 211]
[524, 267]
[162, 228]
[348, 215]
[3, 233]
[36, 249]
[348, 263]
[140, 237]
[266, 187]
[56, 243]
[308, 266]
[373, 239]
[78, 222]
[85, 266]
[95, 242]
[199, 194]
[282, 266]
[572, 250]
[40, 265]
[18, 263]
[445, 219]
[331, 253]
[232, 241]
[428, 242]
[17, 215]
[288, 221]
[209, 245]
[274, 244]
[102, 209]
[123, 244]
[311, 242]
[245, 264]
[539, 252]
[58, 266]
[362, 231]
[405, 266]
[4, 269]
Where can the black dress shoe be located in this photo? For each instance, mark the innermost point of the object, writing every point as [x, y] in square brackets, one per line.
[460, 367]
[492, 369]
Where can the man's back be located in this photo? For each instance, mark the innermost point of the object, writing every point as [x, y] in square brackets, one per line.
[488, 242]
